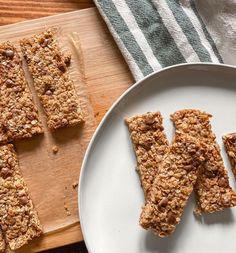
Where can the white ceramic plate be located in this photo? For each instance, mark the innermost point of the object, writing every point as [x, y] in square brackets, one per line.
[110, 193]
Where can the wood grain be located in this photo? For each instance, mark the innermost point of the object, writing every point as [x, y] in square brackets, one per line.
[105, 75]
[20, 10]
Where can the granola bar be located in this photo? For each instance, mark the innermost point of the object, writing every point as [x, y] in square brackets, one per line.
[49, 69]
[18, 218]
[230, 146]
[212, 188]
[172, 186]
[19, 117]
[2, 242]
[150, 144]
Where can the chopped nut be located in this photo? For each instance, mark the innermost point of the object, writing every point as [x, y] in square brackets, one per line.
[222, 182]
[48, 92]
[171, 218]
[8, 53]
[24, 200]
[5, 172]
[34, 122]
[163, 202]
[9, 83]
[62, 67]
[150, 119]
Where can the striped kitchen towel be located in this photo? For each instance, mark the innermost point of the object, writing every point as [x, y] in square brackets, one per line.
[153, 34]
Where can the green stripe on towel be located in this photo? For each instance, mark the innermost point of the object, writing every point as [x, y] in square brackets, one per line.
[189, 30]
[155, 32]
[125, 35]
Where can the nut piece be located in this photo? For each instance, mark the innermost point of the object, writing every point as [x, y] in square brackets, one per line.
[8, 53]
[55, 89]
[174, 178]
[9, 83]
[23, 200]
[163, 202]
[171, 218]
[5, 172]
[213, 178]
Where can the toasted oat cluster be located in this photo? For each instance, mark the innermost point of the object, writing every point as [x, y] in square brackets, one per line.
[49, 69]
[172, 186]
[18, 218]
[150, 144]
[212, 187]
[230, 146]
[19, 117]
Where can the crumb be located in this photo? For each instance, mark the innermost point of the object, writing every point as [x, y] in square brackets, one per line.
[96, 114]
[55, 149]
[68, 213]
[75, 184]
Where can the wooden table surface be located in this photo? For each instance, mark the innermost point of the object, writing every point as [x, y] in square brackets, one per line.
[19, 10]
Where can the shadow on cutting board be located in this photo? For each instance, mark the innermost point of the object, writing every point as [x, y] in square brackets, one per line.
[64, 135]
[29, 144]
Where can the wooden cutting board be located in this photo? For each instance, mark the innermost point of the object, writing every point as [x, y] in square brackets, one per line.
[100, 76]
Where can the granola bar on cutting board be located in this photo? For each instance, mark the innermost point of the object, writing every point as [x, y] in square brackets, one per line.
[91, 39]
[49, 70]
[212, 187]
[18, 218]
[19, 116]
[53, 174]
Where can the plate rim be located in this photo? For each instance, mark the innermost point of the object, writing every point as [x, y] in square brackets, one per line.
[101, 125]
